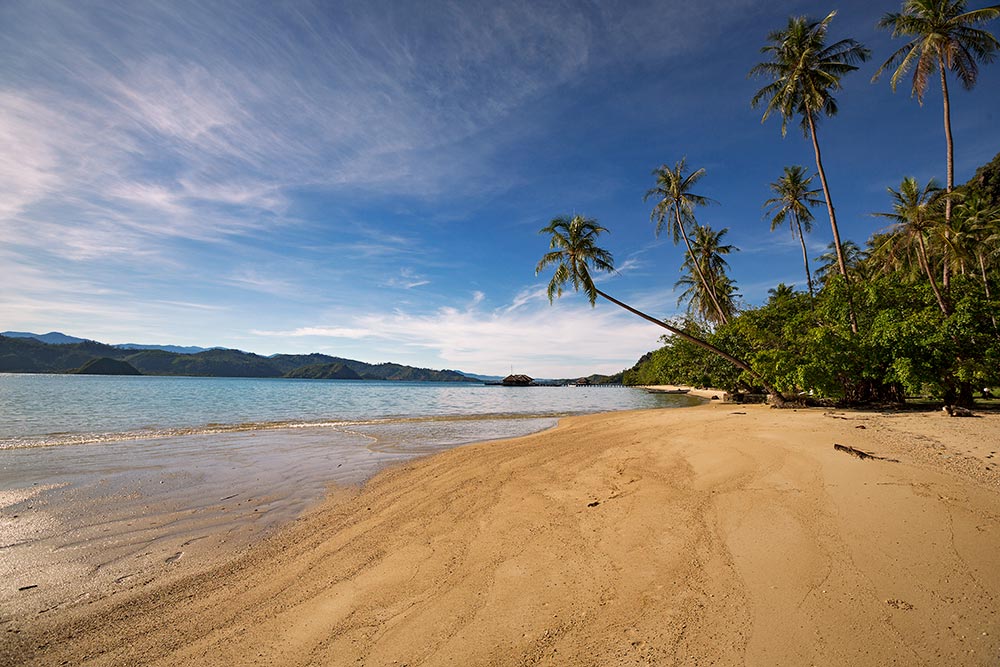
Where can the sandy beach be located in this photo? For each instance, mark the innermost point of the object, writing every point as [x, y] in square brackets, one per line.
[721, 534]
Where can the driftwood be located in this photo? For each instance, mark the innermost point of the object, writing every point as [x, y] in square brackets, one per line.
[955, 411]
[861, 454]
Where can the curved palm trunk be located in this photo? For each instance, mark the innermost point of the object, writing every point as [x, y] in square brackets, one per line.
[922, 254]
[945, 277]
[739, 363]
[697, 266]
[805, 256]
[833, 222]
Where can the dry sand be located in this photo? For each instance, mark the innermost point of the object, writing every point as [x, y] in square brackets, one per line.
[722, 534]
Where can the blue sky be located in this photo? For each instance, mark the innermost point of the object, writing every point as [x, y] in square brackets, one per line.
[367, 179]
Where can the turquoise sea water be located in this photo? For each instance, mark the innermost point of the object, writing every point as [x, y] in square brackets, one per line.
[39, 410]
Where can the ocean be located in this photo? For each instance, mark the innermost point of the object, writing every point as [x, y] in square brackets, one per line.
[46, 410]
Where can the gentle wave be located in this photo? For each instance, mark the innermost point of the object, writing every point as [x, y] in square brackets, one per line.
[63, 439]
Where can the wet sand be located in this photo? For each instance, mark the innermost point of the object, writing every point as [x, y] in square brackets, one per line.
[79, 522]
[720, 534]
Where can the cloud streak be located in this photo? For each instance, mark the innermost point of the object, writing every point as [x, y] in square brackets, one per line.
[545, 341]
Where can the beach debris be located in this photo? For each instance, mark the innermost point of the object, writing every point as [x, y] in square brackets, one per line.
[955, 411]
[737, 413]
[860, 426]
[594, 504]
[28, 587]
[853, 451]
[899, 604]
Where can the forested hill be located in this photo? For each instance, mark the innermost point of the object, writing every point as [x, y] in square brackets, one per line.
[28, 355]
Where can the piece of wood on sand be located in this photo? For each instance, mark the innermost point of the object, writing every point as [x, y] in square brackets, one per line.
[853, 451]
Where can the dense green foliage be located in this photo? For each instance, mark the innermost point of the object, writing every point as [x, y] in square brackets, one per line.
[334, 371]
[28, 355]
[106, 366]
[907, 343]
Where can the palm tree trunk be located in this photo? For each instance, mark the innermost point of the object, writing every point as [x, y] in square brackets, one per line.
[739, 363]
[922, 256]
[986, 286]
[833, 221]
[945, 277]
[805, 256]
[982, 271]
[697, 266]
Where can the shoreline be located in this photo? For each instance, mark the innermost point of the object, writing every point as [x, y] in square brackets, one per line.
[615, 538]
[701, 392]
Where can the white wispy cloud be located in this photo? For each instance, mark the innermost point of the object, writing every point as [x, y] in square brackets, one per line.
[546, 341]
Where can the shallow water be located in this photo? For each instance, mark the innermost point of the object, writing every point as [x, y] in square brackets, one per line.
[107, 483]
[40, 410]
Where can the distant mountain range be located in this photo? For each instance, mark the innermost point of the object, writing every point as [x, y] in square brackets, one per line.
[55, 352]
[56, 338]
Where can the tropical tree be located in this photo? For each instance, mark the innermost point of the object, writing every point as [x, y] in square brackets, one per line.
[675, 209]
[943, 37]
[707, 254]
[791, 202]
[573, 251]
[916, 214]
[980, 242]
[829, 261]
[804, 72]
[780, 292]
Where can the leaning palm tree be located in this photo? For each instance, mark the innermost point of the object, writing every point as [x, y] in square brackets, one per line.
[792, 202]
[943, 37]
[915, 214]
[707, 259]
[675, 209]
[573, 250]
[804, 72]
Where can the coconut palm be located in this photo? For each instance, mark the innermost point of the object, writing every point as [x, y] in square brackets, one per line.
[980, 242]
[675, 209]
[573, 251]
[943, 37]
[781, 292]
[698, 304]
[707, 255]
[892, 253]
[792, 202]
[916, 214]
[829, 261]
[804, 72]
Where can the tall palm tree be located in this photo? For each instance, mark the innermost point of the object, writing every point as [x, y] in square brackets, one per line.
[707, 253]
[791, 202]
[573, 250]
[675, 209]
[943, 37]
[915, 214]
[804, 72]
